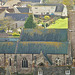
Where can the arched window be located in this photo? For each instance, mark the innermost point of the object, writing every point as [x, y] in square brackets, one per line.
[10, 62]
[24, 63]
[41, 64]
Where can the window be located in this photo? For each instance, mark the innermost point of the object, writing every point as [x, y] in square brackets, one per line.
[57, 61]
[41, 64]
[67, 72]
[15, 58]
[10, 62]
[40, 72]
[36, 8]
[36, 12]
[24, 63]
[67, 61]
[52, 7]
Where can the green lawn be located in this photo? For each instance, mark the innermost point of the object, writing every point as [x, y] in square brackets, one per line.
[59, 24]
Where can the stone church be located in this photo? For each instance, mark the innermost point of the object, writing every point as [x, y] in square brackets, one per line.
[35, 48]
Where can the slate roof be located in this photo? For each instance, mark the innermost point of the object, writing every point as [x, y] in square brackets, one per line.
[34, 47]
[17, 16]
[45, 47]
[7, 47]
[59, 7]
[58, 35]
[8, 39]
[4, 7]
[23, 9]
[30, 0]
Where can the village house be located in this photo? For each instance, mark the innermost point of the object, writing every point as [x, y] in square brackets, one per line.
[4, 10]
[50, 9]
[19, 19]
[36, 48]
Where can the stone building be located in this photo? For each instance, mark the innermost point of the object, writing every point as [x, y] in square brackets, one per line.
[36, 48]
[72, 32]
[43, 9]
[19, 19]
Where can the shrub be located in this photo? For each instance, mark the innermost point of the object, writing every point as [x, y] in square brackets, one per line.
[46, 17]
[15, 34]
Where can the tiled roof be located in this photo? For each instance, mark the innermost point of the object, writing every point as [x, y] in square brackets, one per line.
[30, 0]
[59, 7]
[23, 9]
[17, 16]
[45, 47]
[58, 35]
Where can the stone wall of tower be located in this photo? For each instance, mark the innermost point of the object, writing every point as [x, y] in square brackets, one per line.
[72, 31]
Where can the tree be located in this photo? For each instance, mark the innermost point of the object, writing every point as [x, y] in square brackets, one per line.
[67, 2]
[29, 23]
[6, 23]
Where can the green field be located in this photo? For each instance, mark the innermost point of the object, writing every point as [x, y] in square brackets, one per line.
[59, 24]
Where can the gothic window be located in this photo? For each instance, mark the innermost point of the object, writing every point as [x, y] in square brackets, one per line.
[67, 61]
[24, 63]
[10, 62]
[41, 64]
[15, 58]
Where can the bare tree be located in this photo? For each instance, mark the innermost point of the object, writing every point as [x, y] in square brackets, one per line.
[6, 23]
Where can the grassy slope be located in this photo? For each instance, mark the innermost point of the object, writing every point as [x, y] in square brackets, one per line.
[60, 24]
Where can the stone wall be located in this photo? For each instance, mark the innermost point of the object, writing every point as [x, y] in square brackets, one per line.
[72, 30]
[62, 58]
[19, 62]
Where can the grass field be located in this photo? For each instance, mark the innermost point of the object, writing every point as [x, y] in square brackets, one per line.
[59, 24]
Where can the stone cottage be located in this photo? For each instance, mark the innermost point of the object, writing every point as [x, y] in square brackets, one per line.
[19, 19]
[36, 48]
[43, 9]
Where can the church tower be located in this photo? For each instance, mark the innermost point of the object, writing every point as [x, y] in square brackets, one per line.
[71, 30]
